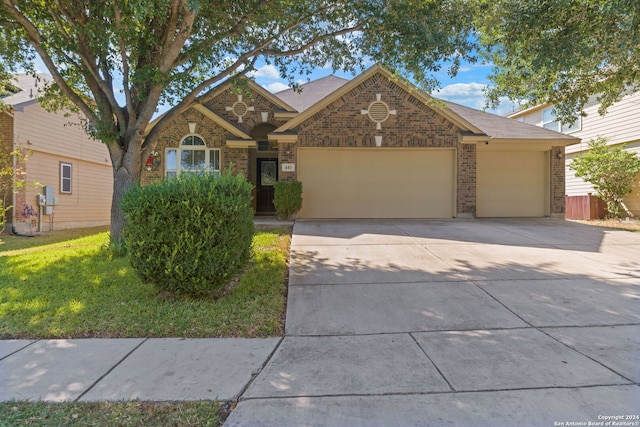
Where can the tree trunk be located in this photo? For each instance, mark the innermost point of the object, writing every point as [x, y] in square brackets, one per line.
[125, 173]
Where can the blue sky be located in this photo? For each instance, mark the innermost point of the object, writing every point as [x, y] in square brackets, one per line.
[466, 88]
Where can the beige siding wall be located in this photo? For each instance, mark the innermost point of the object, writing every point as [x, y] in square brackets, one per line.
[621, 124]
[51, 140]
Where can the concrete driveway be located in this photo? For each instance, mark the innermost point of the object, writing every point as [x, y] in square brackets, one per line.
[455, 322]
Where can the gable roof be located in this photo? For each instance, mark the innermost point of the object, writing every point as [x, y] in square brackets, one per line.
[280, 103]
[377, 69]
[474, 125]
[503, 128]
[29, 88]
[232, 128]
[311, 92]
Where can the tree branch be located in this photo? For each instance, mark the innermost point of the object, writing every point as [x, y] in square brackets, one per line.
[315, 41]
[37, 40]
[125, 62]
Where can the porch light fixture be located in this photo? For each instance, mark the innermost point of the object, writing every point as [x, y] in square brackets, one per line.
[378, 140]
[192, 127]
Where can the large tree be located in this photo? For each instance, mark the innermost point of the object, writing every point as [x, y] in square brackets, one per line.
[174, 51]
[561, 52]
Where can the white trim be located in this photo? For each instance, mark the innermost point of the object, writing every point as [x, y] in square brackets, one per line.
[63, 179]
[178, 157]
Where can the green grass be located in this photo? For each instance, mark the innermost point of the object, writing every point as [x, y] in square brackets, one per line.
[114, 414]
[61, 287]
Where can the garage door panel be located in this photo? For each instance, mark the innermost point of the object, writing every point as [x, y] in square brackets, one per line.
[366, 183]
[511, 184]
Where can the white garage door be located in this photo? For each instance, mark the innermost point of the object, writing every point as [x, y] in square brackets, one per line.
[377, 183]
[511, 184]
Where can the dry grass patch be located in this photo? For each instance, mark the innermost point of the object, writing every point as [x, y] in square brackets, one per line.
[622, 224]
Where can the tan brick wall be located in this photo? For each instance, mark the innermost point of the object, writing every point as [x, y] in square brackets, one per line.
[237, 159]
[287, 153]
[341, 124]
[466, 203]
[213, 135]
[253, 99]
[557, 181]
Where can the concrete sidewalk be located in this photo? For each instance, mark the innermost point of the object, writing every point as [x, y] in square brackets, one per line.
[161, 369]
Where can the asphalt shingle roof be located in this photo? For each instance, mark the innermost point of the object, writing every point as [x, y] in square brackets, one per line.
[312, 92]
[499, 127]
[29, 88]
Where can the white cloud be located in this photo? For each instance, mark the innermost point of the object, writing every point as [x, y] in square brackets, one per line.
[472, 95]
[276, 87]
[461, 90]
[266, 71]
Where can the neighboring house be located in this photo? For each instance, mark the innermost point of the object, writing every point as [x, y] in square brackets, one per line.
[620, 125]
[372, 147]
[76, 168]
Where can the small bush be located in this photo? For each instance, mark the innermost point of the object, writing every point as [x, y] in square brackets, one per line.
[287, 198]
[189, 235]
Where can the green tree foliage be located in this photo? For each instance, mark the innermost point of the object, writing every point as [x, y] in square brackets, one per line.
[189, 235]
[6, 87]
[12, 180]
[561, 52]
[611, 170]
[116, 61]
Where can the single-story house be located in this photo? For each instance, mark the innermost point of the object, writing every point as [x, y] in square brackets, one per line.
[63, 161]
[372, 147]
[620, 125]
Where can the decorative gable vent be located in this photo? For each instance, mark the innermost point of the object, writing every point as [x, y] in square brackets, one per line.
[240, 109]
[378, 111]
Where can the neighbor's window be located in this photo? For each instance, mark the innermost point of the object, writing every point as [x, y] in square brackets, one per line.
[65, 178]
[549, 122]
[193, 156]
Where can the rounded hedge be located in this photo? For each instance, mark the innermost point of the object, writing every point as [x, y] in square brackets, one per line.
[189, 235]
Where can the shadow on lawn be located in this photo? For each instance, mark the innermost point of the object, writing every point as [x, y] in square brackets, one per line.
[82, 292]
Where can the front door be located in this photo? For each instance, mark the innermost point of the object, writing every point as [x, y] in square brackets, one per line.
[266, 177]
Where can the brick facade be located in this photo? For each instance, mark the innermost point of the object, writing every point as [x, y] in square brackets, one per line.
[342, 123]
[415, 125]
[214, 135]
[557, 182]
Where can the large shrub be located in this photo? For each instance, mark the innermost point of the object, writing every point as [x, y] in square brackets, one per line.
[287, 198]
[611, 170]
[189, 235]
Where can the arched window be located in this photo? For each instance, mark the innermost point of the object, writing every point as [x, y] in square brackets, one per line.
[193, 156]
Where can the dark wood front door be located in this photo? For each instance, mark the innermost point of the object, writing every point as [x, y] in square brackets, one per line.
[266, 177]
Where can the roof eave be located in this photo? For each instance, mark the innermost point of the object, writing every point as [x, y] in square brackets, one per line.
[552, 142]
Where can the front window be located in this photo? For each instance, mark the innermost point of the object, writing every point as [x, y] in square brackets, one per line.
[193, 156]
[549, 121]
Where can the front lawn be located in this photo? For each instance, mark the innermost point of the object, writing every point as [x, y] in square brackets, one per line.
[72, 288]
[114, 414]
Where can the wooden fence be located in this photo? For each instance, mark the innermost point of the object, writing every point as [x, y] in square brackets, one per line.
[585, 207]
